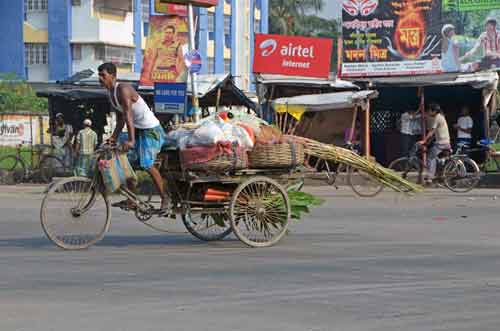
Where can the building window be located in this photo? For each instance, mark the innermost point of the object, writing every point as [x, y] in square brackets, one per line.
[76, 52]
[227, 66]
[211, 22]
[76, 2]
[227, 24]
[36, 5]
[145, 10]
[36, 53]
[210, 65]
[115, 54]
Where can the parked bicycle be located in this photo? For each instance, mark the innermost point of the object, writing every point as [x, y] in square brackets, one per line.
[41, 164]
[457, 172]
[362, 183]
[489, 157]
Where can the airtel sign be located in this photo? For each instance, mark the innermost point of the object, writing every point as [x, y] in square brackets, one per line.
[293, 56]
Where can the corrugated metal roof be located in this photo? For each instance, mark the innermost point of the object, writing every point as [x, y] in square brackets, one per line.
[329, 101]
[308, 81]
[479, 80]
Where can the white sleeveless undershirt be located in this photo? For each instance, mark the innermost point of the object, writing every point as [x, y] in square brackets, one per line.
[142, 116]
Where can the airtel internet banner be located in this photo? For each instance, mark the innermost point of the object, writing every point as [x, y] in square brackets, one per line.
[292, 56]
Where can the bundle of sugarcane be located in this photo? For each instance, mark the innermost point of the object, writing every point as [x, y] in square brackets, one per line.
[341, 155]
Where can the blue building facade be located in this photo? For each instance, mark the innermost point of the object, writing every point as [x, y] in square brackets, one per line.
[49, 40]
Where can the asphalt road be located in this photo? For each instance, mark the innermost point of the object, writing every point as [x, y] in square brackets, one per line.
[430, 262]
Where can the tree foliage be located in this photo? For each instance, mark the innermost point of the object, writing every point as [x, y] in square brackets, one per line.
[296, 17]
[18, 96]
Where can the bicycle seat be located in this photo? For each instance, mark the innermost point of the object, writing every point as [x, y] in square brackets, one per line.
[486, 142]
[444, 153]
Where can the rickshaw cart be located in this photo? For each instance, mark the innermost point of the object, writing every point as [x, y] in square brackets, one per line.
[76, 211]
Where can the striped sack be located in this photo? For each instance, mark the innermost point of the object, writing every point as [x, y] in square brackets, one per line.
[116, 171]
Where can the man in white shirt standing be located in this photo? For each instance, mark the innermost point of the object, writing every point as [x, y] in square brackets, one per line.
[411, 128]
[464, 128]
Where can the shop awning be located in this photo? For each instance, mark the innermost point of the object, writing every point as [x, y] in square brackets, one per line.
[480, 80]
[297, 106]
[332, 82]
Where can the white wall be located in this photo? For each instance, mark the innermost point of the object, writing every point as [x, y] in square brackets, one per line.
[38, 73]
[88, 28]
[117, 32]
[84, 26]
[38, 19]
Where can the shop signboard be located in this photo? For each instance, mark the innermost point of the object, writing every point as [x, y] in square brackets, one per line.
[169, 8]
[197, 3]
[292, 55]
[387, 37]
[170, 98]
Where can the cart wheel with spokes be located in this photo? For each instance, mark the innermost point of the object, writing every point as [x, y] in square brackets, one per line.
[260, 212]
[207, 226]
[74, 214]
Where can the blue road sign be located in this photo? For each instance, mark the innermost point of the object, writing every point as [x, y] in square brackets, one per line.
[193, 61]
[170, 98]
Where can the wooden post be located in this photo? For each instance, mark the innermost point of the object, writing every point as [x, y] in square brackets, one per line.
[421, 109]
[353, 123]
[218, 100]
[366, 141]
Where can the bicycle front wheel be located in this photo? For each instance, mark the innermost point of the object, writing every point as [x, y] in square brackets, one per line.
[461, 174]
[50, 167]
[408, 169]
[74, 214]
[13, 168]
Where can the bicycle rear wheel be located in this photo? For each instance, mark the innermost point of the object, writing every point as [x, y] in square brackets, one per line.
[461, 175]
[50, 167]
[13, 169]
[74, 214]
[363, 184]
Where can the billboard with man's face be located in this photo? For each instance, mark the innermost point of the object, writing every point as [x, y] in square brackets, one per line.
[470, 35]
[408, 37]
[166, 46]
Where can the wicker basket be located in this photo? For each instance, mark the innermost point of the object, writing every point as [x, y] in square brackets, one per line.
[223, 163]
[286, 155]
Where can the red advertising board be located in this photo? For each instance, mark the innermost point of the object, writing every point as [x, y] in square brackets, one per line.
[198, 3]
[292, 56]
[165, 7]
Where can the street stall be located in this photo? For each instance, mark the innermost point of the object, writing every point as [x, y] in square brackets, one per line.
[271, 87]
[340, 119]
[476, 91]
[333, 118]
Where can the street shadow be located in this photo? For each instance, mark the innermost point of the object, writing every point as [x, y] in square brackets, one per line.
[119, 241]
